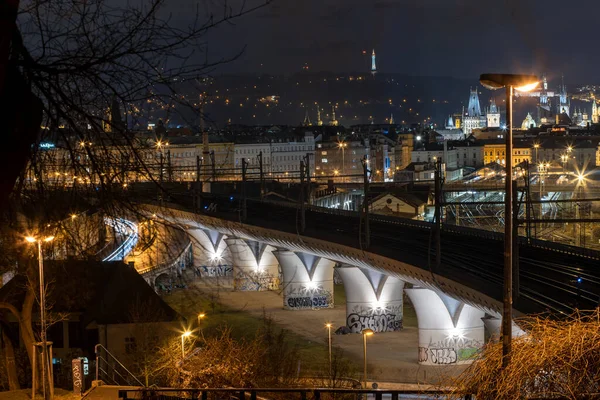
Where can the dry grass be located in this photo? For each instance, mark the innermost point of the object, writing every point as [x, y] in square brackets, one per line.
[556, 359]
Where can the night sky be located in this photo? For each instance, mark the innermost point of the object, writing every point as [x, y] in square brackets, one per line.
[458, 38]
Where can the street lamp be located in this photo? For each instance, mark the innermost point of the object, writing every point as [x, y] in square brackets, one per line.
[365, 333]
[39, 242]
[342, 146]
[328, 326]
[522, 83]
[200, 318]
[183, 336]
[536, 146]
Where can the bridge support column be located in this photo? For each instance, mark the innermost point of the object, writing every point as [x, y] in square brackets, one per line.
[307, 280]
[211, 255]
[255, 268]
[450, 332]
[493, 327]
[373, 300]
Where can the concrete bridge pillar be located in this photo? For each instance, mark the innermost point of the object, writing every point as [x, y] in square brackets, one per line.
[373, 300]
[307, 280]
[255, 268]
[211, 254]
[450, 332]
[493, 328]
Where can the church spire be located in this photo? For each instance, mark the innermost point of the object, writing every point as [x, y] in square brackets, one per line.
[319, 121]
[392, 119]
[306, 119]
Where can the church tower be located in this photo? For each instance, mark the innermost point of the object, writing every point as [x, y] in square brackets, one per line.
[564, 104]
[319, 120]
[306, 119]
[493, 115]
[334, 122]
[391, 119]
[594, 111]
[473, 118]
[373, 64]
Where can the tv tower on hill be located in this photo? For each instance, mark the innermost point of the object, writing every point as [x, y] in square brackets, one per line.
[373, 64]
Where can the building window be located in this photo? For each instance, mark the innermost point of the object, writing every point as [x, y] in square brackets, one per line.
[323, 153]
[324, 160]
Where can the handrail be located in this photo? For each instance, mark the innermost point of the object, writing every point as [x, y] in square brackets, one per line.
[240, 393]
[98, 357]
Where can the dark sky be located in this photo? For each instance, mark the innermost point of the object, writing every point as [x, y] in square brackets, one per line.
[459, 38]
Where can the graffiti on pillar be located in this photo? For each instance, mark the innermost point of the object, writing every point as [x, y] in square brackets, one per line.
[215, 271]
[378, 319]
[302, 296]
[255, 281]
[451, 350]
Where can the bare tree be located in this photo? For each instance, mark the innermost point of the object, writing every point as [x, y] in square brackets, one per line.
[64, 64]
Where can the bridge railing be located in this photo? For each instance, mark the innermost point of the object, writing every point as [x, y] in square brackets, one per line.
[462, 230]
[169, 264]
[287, 393]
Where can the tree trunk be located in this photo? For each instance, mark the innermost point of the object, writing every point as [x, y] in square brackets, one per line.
[11, 365]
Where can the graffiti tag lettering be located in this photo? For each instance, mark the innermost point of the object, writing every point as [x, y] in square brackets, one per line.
[378, 323]
[422, 354]
[308, 302]
[443, 356]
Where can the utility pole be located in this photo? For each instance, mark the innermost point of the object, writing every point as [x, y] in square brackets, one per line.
[213, 165]
[197, 186]
[302, 208]
[244, 168]
[365, 164]
[260, 172]
[169, 168]
[308, 187]
[438, 213]
[515, 241]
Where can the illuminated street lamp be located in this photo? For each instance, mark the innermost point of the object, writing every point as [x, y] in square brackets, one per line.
[200, 318]
[183, 336]
[536, 146]
[329, 326]
[343, 146]
[522, 83]
[39, 242]
[365, 333]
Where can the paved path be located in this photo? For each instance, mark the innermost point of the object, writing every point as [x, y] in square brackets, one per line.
[395, 352]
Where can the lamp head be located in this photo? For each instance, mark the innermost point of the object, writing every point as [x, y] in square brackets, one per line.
[48, 238]
[186, 333]
[522, 83]
[367, 332]
[328, 325]
[30, 239]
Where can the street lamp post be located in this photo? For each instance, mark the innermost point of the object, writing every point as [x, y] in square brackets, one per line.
[32, 239]
[342, 146]
[200, 318]
[365, 333]
[523, 83]
[183, 336]
[328, 326]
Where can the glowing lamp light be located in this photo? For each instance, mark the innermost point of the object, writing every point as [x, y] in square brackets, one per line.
[367, 332]
[455, 333]
[186, 333]
[311, 285]
[30, 239]
[528, 87]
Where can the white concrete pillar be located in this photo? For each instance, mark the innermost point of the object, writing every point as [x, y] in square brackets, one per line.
[255, 268]
[307, 280]
[493, 326]
[373, 300]
[211, 254]
[450, 332]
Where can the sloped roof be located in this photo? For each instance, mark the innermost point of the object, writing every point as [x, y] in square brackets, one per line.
[105, 293]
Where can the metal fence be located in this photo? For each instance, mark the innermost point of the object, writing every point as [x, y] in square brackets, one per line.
[283, 393]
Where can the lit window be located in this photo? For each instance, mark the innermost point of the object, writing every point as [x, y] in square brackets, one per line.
[324, 160]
